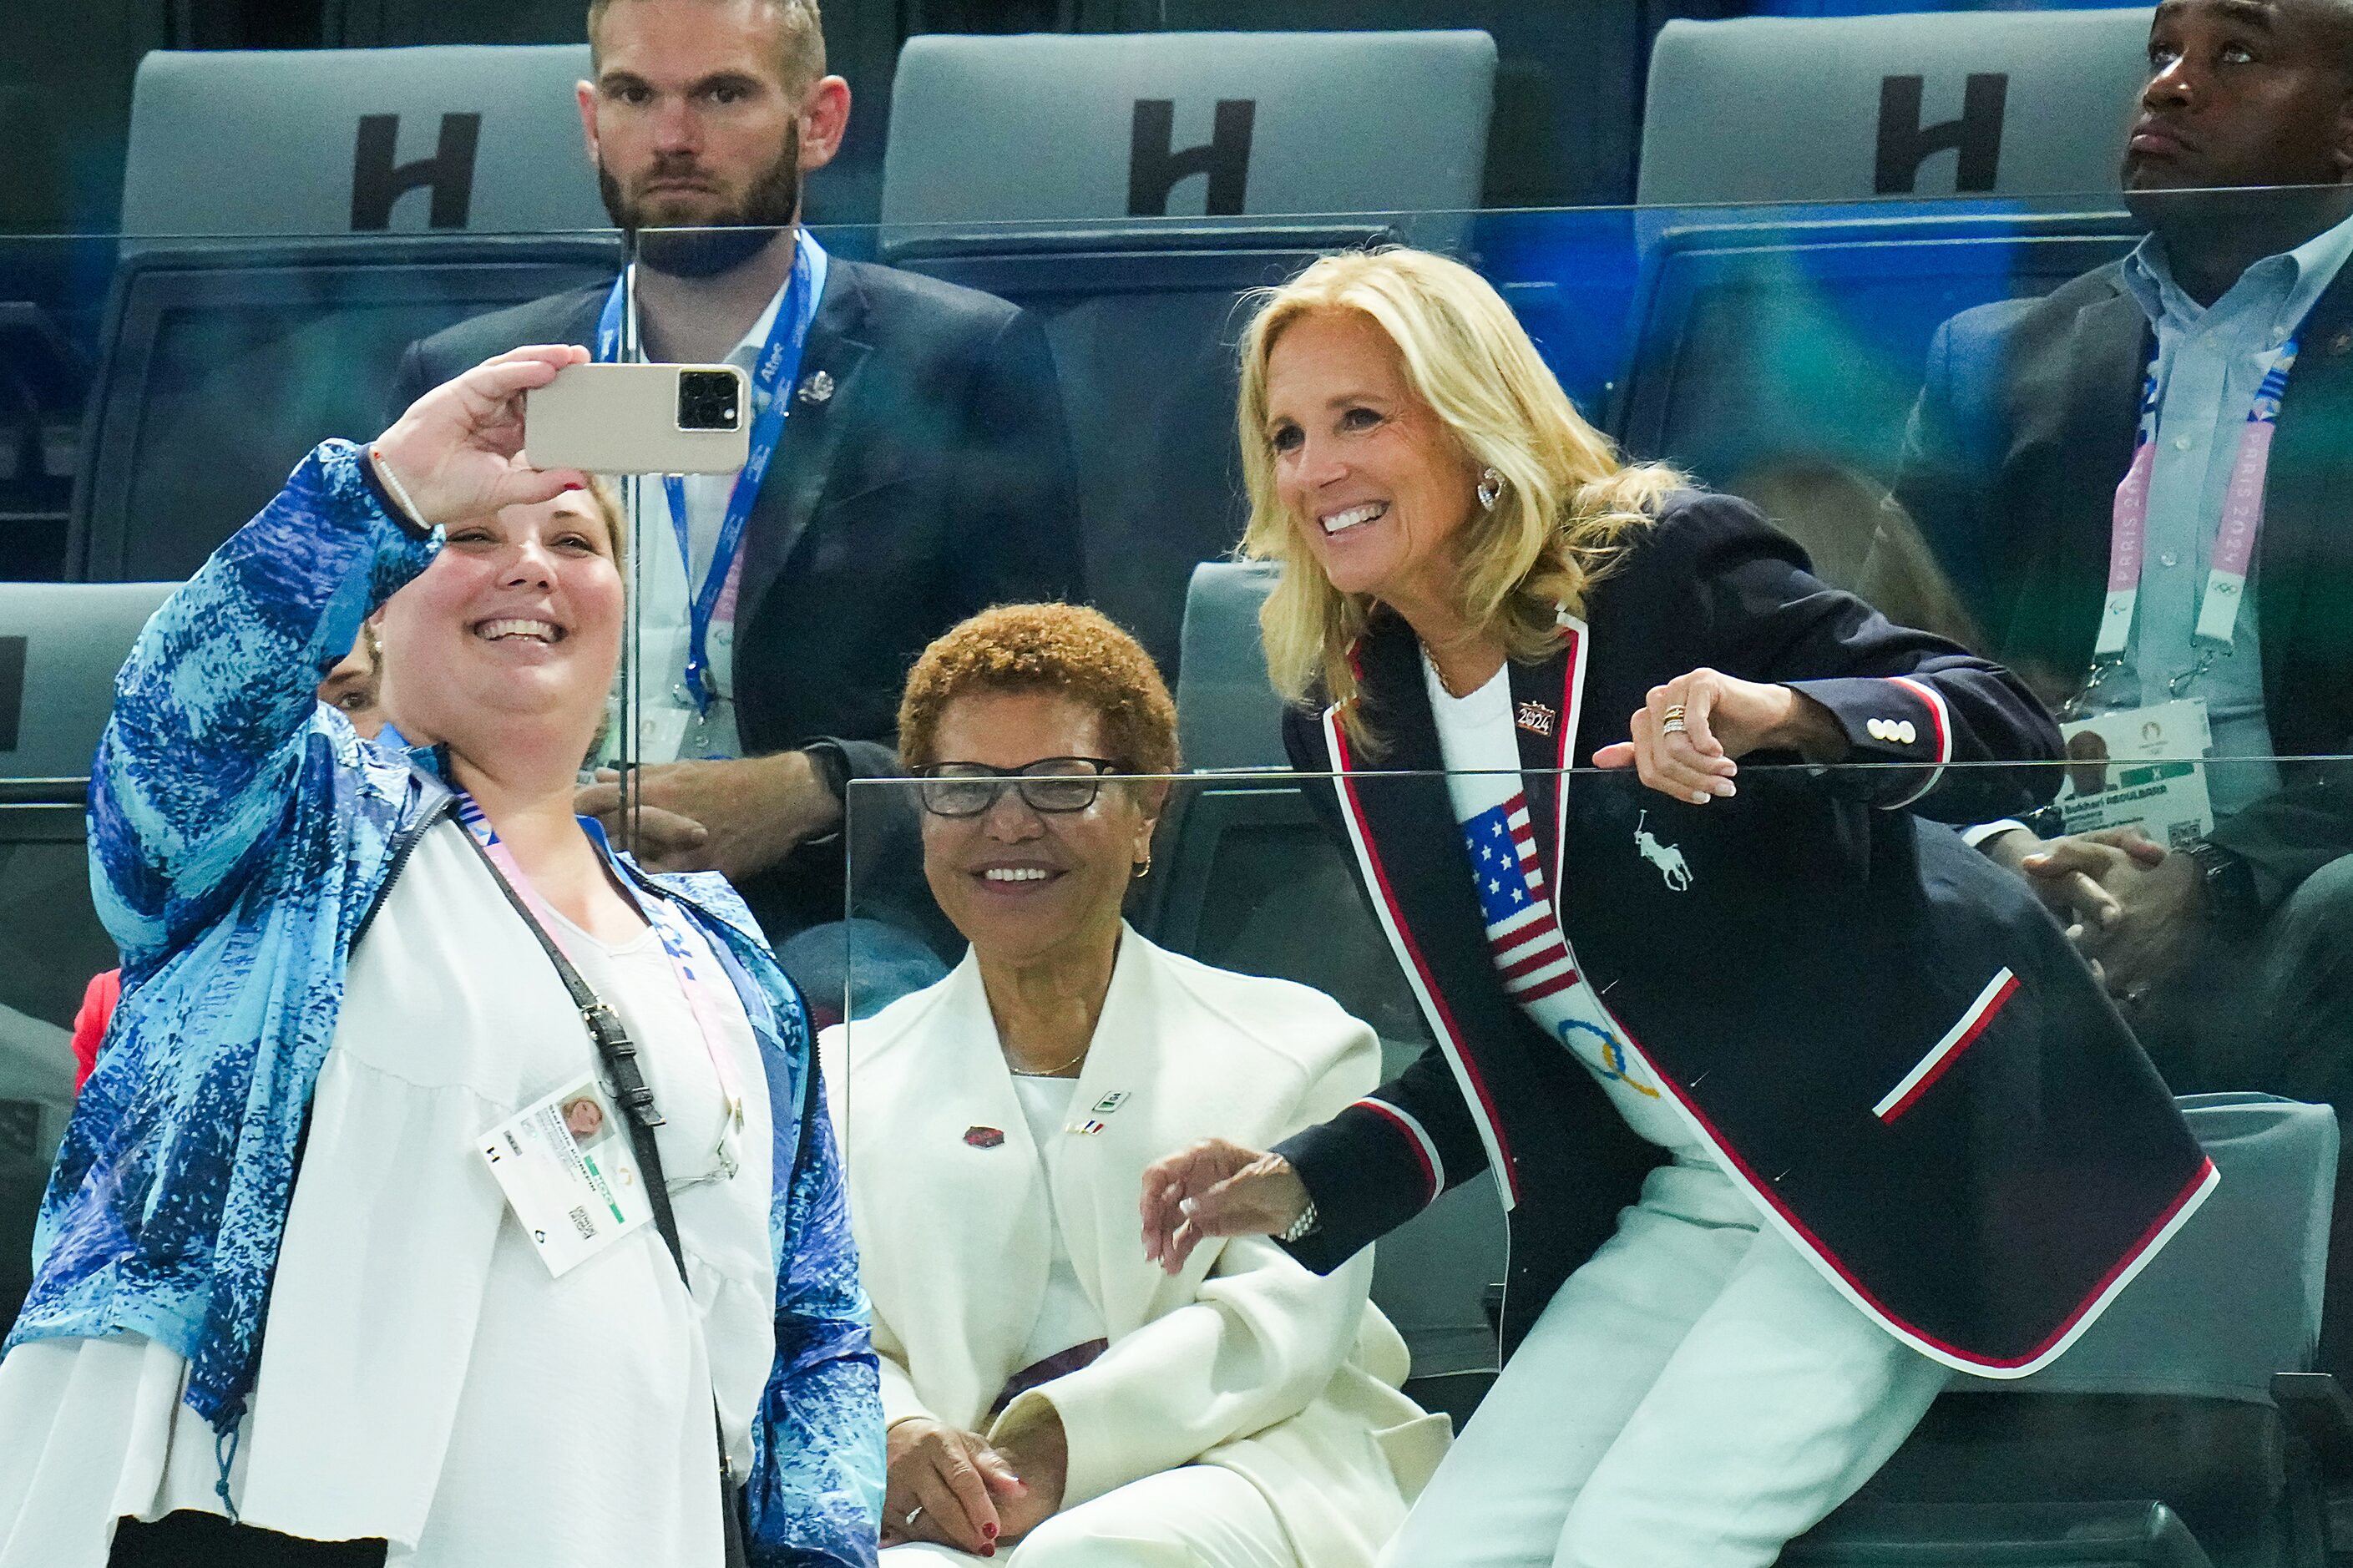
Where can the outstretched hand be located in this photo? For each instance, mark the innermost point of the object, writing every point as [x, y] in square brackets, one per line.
[1216, 1188]
[1722, 718]
[457, 451]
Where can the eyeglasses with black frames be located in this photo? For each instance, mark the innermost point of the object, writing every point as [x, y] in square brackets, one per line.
[1050, 784]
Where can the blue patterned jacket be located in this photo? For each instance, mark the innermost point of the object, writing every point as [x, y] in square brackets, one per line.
[239, 832]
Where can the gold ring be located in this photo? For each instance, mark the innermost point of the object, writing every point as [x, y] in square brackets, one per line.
[1675, 712]
[1674, 726]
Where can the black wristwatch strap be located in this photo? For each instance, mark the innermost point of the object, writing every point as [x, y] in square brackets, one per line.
[2229, 884]
[832, 765]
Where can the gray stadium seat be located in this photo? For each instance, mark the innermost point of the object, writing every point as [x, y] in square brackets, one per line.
[222, 364]
[1249, 879]
[861, 43]
[1234, 125]
[2168, 1399]
[1226, 715]
[331, 142]
[50, 944]
[1844, 109]
[1142, 309]
[61, 647]
[1781, 352]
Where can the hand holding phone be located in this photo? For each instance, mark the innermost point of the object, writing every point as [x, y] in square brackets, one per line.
[451, 454]
[641, 419]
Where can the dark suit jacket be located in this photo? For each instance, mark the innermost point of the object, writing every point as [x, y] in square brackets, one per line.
[1883, 1035]
[2022, 431]
[935, 481]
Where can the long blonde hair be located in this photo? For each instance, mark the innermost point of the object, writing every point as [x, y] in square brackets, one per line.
[1568, 498]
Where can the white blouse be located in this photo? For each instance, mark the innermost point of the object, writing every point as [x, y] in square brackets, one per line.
[1066, 1317]
[1478, 742]
[423, 1378]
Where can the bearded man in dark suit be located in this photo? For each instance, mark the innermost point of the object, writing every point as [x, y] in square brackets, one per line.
[923, 472]
[2230, 947]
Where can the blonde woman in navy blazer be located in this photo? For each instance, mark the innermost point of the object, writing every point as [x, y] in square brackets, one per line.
[1873, 1119]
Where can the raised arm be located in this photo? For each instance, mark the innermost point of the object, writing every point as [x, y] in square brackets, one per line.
[203, 761]
[1792, 665]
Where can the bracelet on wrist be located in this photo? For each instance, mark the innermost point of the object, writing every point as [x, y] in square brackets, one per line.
[1301, 1228]
[403, 507]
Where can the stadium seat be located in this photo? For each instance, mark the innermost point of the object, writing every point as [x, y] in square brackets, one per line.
[2166, 1400]
[1851, 108]
[1222, 125]
[1231, 133]
[861, 41]
[1249, 879]
[60, 651]
[1228, 716]
[223, 365]
[44, 379]
[303, 143]
[50, 944]
[1779, 354]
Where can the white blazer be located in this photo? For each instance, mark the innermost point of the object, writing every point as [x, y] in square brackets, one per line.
[1245, 1359]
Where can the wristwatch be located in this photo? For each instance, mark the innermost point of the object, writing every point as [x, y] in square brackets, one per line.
[2229, 886]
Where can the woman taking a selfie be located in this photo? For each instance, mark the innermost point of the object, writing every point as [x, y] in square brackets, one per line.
[1873, 1117]
[451, 1191]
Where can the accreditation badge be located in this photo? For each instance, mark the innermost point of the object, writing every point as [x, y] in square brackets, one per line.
[569, 1175]
[2133, 768]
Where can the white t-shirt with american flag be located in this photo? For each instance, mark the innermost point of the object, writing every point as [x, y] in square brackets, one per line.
[1523, 934]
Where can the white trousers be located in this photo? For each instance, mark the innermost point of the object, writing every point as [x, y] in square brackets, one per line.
[1696, 1395]
[1196, 1516]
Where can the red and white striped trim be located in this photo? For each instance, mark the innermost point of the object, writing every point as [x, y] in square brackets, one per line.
[1940, 720]
[1958, 1038]
[1572, 705]
[1417, 973]
[1425, 1147]
[2162, 1229]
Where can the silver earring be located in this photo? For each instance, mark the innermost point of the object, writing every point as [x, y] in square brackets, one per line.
[1491, 489]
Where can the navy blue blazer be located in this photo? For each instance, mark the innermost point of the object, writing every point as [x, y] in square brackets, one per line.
[1887, 1042]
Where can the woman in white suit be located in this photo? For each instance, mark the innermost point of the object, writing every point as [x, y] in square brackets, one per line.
[1046, 1386]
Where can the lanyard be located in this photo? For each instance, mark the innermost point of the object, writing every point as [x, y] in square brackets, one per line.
[2234, 538]
[669, 929]
[772, 376]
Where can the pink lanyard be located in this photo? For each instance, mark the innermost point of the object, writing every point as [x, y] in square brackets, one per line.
[2235, 540]
[669, 929]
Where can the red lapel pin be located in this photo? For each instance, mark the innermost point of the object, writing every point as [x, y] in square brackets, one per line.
[983, 1137]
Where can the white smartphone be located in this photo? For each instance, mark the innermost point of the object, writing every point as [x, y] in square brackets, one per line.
[641, 419]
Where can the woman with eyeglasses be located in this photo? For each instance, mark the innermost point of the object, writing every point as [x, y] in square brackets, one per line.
[1046, 1388]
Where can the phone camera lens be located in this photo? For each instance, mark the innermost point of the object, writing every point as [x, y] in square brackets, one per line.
[708, 400]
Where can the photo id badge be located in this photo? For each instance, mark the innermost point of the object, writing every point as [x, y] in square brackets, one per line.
[569, 1175]
[2132, 769]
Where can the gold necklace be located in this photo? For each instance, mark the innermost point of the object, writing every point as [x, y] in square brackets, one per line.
[1445, 685]
[1050, 1072]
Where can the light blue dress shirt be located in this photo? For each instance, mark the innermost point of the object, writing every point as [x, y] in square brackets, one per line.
[2209, 361]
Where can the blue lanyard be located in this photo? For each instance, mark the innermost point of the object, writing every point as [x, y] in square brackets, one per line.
[773, 374]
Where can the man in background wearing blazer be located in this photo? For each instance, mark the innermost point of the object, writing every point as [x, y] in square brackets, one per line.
[2231, 949]
[922, 473]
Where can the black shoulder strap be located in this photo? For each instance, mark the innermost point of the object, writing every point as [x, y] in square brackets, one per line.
[619, 1055]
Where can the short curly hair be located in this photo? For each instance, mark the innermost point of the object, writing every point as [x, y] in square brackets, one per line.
[1067, 648]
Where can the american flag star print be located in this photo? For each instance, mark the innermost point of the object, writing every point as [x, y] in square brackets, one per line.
[1523, 935]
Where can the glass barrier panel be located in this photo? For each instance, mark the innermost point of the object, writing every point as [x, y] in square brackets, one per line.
[1927, 1068]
